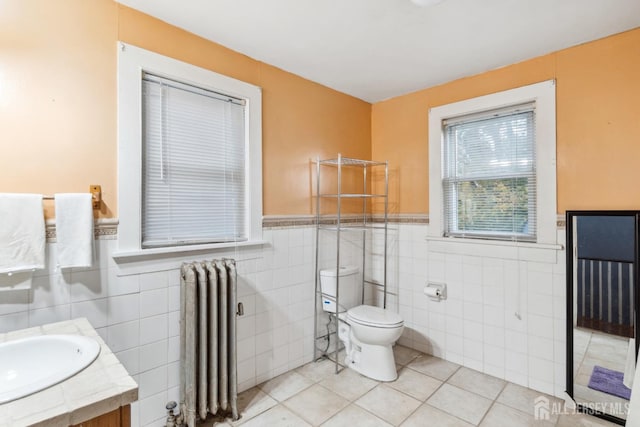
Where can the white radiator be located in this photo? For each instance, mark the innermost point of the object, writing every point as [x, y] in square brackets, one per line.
[208, 376]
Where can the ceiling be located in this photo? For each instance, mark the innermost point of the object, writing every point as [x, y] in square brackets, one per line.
[378, 49]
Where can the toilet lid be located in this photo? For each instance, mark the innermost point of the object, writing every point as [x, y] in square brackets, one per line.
[374, 316]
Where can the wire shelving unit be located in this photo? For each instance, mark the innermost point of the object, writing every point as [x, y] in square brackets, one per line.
[337, 223]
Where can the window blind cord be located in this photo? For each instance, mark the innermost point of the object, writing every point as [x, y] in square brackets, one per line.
[518, 303]
[518, 309]
[227, 114]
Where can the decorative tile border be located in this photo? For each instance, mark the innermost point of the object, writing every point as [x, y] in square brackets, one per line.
[107, 228]
[402, 218]
[274, 221]
[103, 229]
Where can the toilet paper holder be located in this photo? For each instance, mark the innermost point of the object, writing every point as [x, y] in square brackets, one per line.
[436, 291]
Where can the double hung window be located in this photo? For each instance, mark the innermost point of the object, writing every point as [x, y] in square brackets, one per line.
[189, 157]
[492, 167]
[193, 170]
[489, 174]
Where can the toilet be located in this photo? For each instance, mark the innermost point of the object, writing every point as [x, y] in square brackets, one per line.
[367, 332]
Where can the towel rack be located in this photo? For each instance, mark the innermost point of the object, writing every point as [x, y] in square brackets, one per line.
[96, 195]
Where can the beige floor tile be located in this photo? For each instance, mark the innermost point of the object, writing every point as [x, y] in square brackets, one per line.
[348, 384]
[477, 382]
[428, 415]
[523, 399]
[388, 404]
[253, 402]
[504, 416]
[582, 420]
[415, 384]
[353, 415]
[286, 385]
[404, 355]
[461, 403]
[434, 367]
[317, 371]
[610, 404]
[316, 404]
[278, 416]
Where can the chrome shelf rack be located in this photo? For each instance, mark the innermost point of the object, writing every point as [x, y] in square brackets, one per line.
[336, 222]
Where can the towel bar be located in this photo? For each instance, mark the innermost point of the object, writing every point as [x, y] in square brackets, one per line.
[96, 195]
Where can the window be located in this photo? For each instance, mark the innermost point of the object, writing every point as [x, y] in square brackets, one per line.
[489, 174]
[193, 165]
[492, 166]
[189, 156]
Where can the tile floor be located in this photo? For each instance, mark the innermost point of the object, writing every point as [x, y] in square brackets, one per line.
[428, 392]
[593, 348]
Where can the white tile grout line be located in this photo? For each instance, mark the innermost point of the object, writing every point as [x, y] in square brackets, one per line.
[504, 386]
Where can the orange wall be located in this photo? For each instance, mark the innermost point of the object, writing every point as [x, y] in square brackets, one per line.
[598, 125]
[58, 102]
[58, 97]
[58, 111]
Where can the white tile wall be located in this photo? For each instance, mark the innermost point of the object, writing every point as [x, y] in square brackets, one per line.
[135, 308]
[476, 325]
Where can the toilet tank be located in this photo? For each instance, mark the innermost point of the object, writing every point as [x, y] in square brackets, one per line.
[350, 288]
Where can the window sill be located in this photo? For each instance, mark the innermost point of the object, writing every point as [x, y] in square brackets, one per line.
[522, 251]
[496, 242]
[177, 251]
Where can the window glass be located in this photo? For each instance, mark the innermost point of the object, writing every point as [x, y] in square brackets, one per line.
[489, 174]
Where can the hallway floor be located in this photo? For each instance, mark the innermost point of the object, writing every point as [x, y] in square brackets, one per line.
[428, 392]
[593, 348]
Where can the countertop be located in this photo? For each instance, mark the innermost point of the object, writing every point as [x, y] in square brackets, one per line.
[101, 387]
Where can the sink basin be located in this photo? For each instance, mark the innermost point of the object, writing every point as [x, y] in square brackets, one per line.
[32, 364]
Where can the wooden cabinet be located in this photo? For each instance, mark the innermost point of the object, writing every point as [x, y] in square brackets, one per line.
[120, 417]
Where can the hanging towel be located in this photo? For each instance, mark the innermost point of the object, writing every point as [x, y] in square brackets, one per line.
[74, 230]
[22, 235]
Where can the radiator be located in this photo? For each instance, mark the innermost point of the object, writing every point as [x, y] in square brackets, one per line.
[208, 376]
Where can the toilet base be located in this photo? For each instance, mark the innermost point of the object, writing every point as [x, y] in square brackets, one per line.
[373, 361]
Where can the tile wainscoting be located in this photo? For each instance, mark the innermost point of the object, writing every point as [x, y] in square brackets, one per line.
[505, 310]
[134, 306]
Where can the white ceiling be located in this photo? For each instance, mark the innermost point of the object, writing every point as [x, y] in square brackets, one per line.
[378, 49]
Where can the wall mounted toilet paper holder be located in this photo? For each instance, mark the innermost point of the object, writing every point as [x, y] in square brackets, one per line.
[436, 291]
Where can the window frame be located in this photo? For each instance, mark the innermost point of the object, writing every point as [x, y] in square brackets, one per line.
[132, 62]
[543, 96]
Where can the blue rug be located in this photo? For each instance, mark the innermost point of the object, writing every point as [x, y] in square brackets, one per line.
[608, 381]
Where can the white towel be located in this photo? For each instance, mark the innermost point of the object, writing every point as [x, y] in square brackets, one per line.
[22, 236]
[74, 230]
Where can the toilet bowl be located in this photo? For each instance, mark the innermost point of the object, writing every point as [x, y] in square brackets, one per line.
[368, 343]
[367, 332]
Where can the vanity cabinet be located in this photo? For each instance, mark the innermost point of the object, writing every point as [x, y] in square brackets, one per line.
[120, 417]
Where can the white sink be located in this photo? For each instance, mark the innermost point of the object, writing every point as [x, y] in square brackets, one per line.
[32, 364]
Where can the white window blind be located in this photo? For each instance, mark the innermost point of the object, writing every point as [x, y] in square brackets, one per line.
[489, 174]
[193, 165]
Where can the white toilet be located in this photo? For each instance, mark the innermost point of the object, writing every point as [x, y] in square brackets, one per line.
[367, 332]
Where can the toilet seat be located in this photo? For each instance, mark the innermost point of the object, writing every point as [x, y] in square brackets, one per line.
[376, 317]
